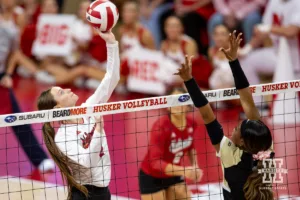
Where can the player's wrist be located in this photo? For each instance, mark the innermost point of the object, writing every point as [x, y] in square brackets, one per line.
[239, 76]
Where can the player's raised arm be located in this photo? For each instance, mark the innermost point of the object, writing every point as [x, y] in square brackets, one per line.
[241, 81]
[213, 127]
[112, 76]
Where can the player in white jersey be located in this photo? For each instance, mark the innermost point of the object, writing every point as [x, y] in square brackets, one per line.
[281, 19]
[79, 147]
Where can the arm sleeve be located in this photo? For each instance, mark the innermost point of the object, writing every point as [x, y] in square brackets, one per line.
[156, 147]
[111, 79]
[229, 153]
[221, 7]
[86, 156]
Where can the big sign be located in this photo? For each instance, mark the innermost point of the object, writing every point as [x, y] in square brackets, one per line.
[53, 35]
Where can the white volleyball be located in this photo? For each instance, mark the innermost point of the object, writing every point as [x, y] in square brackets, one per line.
[103, 15]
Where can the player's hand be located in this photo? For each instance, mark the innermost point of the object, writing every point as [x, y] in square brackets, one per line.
[185, 72]
[234, 43]
[108, 36]
[193, 173]
[6, 81]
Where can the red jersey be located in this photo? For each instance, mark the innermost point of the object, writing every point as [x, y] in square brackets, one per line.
[167, 145]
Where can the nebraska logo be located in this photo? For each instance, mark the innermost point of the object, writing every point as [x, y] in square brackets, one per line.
[69, 112]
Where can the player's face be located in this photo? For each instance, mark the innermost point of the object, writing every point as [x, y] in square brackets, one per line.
[173, 28]
[82, 10]
[64, 97]
[50, 7]
[236, 136]
[129, 13]
[220, 36]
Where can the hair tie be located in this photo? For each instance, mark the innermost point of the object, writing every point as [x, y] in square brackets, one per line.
[263, 155]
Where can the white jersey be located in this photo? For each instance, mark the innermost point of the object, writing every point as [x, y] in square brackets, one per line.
[284, 13]
[81, 143]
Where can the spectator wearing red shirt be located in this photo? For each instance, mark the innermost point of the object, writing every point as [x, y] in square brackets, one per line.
[161, 174]
[233, 13]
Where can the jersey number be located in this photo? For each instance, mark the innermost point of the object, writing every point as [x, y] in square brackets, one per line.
[177, 157]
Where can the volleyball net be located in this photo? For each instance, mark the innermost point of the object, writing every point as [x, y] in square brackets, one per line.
[128, 126]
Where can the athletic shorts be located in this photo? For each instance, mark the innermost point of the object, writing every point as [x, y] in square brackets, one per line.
[149, 184]
[95, 193]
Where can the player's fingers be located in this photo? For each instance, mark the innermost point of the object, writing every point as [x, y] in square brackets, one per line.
[190, 60]
[239, 36]
[239, 43]
[230, 40]
[186, 60]
[234, 35]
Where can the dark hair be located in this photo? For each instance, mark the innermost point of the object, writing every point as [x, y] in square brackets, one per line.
[257, 137]
[46, 101]
[173, 16]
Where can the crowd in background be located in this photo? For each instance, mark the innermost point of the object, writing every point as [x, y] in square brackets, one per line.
[174, 28]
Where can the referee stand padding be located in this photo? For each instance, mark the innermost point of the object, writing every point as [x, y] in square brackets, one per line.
[287, 111]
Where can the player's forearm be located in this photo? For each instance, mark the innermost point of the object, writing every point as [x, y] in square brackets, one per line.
[174, 170]
[242, 85]
[286, 31]
[111, 78]
[200, 101]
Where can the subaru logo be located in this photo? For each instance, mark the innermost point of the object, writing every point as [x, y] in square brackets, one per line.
[10, 119]
[184, 98]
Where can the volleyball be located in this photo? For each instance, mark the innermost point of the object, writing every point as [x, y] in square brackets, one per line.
[103, 15]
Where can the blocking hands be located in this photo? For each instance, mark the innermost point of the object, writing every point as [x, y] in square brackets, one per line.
[234, 43]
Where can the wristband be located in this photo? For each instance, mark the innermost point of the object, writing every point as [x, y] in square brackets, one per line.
[240, 79]
[197, 96]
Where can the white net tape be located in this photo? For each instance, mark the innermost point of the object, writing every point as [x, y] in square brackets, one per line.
[141, 104]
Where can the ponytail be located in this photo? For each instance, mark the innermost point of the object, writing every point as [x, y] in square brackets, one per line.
[255, 189]
[61, 160]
